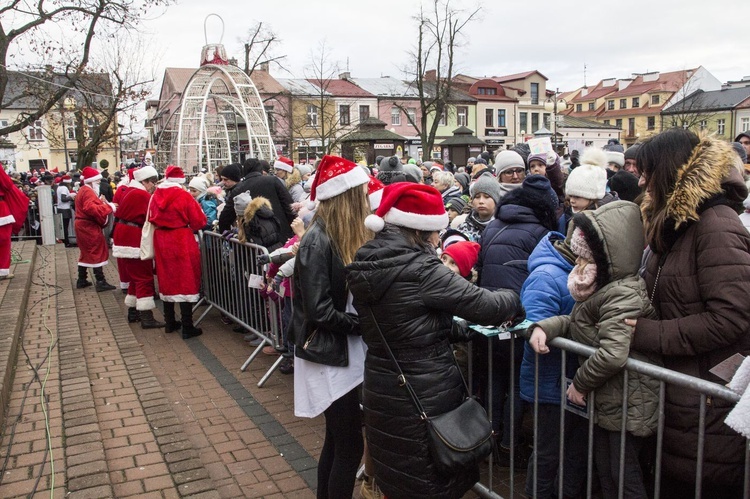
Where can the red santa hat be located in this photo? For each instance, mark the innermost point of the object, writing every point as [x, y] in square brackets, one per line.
[283, 165]
[174, 174]
[58, 180]
[33, 180]
[90, 175]
[375, 192]
[465, 254]
[415, 206]
[335, 176]
[66, 179]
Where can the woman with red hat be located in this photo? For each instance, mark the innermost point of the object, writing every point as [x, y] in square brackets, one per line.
[329, 353]
[406, 297]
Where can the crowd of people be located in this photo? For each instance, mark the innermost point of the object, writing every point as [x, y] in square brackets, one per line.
[637, 252]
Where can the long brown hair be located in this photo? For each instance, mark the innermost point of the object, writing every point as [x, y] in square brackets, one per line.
[659, 159]
[343, 218]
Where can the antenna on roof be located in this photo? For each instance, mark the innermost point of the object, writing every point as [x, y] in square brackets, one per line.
[347, 64]
[584, 76]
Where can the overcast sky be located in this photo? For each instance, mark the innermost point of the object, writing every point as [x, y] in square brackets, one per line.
[613, 38]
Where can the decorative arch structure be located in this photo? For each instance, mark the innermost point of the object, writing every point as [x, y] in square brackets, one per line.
[220, 119]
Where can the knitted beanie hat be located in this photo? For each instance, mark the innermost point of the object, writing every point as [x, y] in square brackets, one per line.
[486, 184]
[579, 246]
[465, 254]
[589, 181]
[390, 164]
[616, 157]
[508, 159]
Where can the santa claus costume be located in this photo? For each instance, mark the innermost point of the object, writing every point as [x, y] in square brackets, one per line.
[119, 195]
[13, 207]
[176, 216]
[91, 218]
[129, 218]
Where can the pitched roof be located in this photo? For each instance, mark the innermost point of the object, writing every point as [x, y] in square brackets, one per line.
[300, 86]
[386, 86]
[597, 92]
[578, 122]
[517, 76]
[727, 98]
[176, 79]
[26, 90]
[341, 88]
[265, 83]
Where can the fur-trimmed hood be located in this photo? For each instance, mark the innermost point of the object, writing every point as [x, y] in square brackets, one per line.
[711, 170]
[254, 206]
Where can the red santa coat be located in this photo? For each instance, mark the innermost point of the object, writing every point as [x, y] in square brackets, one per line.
[13, 207]
[131, 210]
[120, 193]
[91, 218]
[176, 217]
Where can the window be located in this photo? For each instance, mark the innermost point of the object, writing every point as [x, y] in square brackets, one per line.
[488, 114]
[623, 103]
[270, 118]
[312, 115]
[70, 128]
[655, 100]
[636, 102]
[611, 105]
[535, 93]
[395, 116]
[523, 122]
[344, 115]
[534, 122]
[606, 122]
[720, 124]
[703, 124]
[411, 113]
[443, 119]
[35, 131]
[3, 124]
[486, 91]
[631, 127]
[591, 106]
[501, 117]
[651, 122]
[462, 115]
[618, 123]
[364, 112]
[91, 124]
[745, 124]
[579, 108]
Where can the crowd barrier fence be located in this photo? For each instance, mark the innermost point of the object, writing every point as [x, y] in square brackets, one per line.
[232, 278]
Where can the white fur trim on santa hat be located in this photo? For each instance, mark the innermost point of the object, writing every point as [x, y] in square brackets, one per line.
[375, 199]
[416, 220]
[145, 172]
[93, 179]
[341, 183]
[280, 165]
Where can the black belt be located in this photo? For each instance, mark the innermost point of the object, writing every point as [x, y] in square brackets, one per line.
[126, 222]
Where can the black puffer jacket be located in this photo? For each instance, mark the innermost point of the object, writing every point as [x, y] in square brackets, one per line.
[413, 297]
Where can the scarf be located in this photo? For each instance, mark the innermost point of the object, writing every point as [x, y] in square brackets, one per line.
[582, 280]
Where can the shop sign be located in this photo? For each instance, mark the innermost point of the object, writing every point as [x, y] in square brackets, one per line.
[382, 146]
[495, 132]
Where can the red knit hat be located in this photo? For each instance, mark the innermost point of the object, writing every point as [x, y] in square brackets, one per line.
[90, 175]
[335, 176]
[375, 192]
[416, 206]
[465, 254]
[174, 174]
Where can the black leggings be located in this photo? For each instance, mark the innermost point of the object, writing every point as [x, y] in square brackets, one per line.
[342, 449]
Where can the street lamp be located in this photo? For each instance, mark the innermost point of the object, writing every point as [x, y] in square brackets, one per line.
[551, 105]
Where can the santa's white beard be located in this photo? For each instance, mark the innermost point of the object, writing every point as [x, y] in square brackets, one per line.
[95, 186]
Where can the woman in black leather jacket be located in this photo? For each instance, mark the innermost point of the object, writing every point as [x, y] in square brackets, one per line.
[329, 353]
[413, 297]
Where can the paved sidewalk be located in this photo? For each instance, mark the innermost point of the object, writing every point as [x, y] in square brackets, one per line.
[132, 412]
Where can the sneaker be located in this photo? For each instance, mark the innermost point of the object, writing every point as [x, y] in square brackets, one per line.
[271, 350]
[287, 366]
[253, 340]
[226, 320]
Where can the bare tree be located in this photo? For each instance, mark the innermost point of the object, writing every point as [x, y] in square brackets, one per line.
[259, 46]
[25, 34]
[431, 70]
[693, 112]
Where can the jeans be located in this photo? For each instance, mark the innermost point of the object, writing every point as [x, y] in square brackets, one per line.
[607, 459]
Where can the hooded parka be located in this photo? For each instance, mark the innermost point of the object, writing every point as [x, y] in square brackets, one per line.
[615, 235]
[414, 297]
[703, 299]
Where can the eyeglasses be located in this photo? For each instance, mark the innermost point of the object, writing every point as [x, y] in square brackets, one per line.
[514, 171]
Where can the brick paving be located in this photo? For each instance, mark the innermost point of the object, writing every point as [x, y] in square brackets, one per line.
[133, 412]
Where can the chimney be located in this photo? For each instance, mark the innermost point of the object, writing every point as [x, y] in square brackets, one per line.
[609, 82]
[346, 75]
[584, 91]
[430, 75]
[652, 77]
[623, 84]
[263, 66]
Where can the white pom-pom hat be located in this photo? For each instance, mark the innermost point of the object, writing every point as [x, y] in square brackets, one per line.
[415, 206]
[335, 176]
[589, 181]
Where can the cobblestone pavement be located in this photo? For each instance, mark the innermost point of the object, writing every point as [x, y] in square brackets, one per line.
[97, 407]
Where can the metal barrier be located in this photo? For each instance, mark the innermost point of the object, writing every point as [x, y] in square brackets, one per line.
[664, 376]
[32, 227]
[232, 279]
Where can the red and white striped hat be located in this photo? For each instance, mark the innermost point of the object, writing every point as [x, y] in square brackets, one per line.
[174, 174]
[416, 206]
[335, 176]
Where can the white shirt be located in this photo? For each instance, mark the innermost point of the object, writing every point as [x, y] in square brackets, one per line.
[63, 205]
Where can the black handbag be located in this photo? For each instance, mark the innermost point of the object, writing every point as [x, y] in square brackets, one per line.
[459, 438]
[322, 345]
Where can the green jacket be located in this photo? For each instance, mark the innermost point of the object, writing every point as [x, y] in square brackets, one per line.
[615, 235]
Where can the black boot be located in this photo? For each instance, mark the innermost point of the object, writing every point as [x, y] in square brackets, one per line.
[133, 315]
[186, 315]
[148, 321]
[101, 281]
[172, 324]
[83, 278]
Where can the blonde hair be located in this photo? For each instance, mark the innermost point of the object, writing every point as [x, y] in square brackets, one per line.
[294, 178]
[343, 218]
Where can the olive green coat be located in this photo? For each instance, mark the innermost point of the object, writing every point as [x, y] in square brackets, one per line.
[615, 235]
